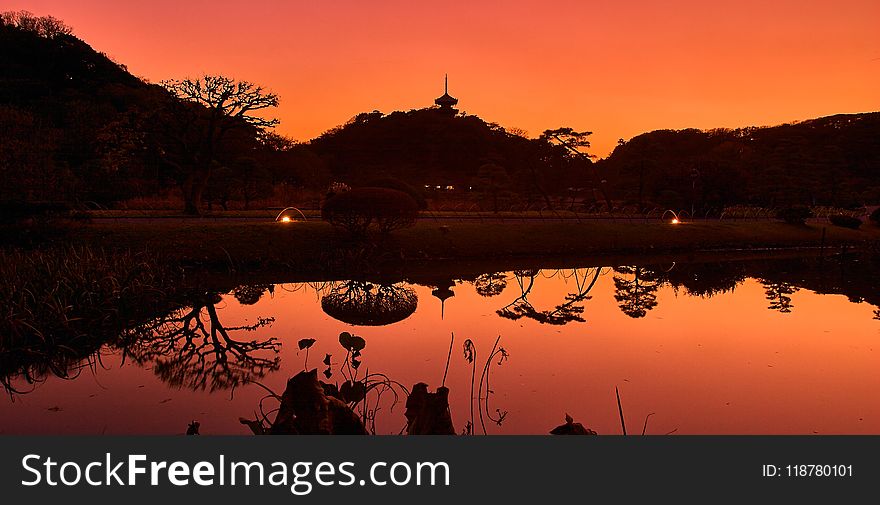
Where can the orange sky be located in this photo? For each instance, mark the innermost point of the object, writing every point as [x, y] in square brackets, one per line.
[615, 68]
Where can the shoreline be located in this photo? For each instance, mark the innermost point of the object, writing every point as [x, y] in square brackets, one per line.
[303, 249]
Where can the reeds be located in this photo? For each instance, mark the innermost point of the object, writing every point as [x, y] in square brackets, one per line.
[61, 304]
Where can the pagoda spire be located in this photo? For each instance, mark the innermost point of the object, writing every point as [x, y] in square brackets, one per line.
[446, 102]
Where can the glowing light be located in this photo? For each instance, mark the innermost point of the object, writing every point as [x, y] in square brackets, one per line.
[285, 219]
[675, 220]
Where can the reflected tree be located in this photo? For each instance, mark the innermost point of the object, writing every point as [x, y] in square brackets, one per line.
[251, 294]
[489, 285]
[634, 290]
[779, 295]
[706, 280]
[569, 310]
[364, 303]
[192, 348]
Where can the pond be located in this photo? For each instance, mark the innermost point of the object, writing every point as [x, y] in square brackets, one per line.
[764, 346]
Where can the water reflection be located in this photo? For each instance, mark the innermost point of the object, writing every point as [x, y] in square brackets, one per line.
[569, 310]
[251, 294]
[490, 285]
[706, 279]
[202, 346]
[779, 295]
[191, 348]
[635, 289]
[363, 303]
[442, 291]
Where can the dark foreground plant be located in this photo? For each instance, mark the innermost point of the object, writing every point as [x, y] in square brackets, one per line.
[60, 305]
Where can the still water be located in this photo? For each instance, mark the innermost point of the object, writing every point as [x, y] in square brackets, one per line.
[771, 347]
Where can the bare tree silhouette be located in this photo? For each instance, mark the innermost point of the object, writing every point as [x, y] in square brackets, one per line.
[221, 104]
[192, 348]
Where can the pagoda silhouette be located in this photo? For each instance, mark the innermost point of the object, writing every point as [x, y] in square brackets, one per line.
[447, 102]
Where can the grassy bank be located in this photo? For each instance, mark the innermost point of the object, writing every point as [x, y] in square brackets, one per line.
[62, 303]
[316, 245]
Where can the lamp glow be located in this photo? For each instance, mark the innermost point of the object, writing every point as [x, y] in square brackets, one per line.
[675, 220]
[285, 219]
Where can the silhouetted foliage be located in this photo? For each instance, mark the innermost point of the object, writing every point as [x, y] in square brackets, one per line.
[417, 195]
[795, 215]
[192, 348]
[845, 221]
[62, 304]
[824, 161]
[570, 310]
[77, 126]
[250, 294]
[213, 105]
[490, 284]
[43, 26]
[306, 408]
[70, 117]
[426, 148]
[706, 280]
[369, 304]
[779, 295]
[636, 295]
[490, 181]
[362, 208]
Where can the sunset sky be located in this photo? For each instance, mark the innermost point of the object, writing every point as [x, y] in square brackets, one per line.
[615, 68]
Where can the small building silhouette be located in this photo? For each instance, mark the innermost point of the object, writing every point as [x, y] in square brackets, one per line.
[447, 102]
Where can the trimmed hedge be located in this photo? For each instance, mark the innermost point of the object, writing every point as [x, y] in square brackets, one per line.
[361, 209]
[845, 221]
[390, 183]
[795, 215]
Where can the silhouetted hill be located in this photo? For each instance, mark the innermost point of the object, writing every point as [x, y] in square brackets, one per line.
[68, 115]
[428, 147]
[421, 146]
[77, 126]
[833, 160]
[36, 68]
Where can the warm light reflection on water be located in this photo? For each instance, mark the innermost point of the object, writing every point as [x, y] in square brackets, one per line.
[720, 364]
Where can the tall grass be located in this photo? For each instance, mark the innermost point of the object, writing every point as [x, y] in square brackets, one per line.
[61, 304]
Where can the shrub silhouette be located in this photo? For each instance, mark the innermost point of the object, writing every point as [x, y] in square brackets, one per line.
[875, 216]
[795, 215]
[359, 209]
[391, 183]
[845, 221]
